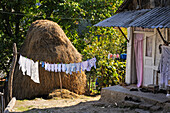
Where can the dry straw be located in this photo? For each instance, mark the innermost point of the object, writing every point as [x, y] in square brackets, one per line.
[46, 41]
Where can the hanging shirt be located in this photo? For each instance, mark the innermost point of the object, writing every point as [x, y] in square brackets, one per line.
[43, 64]
[48, 67]
[35, 73]
[78, 67]
[85, 66]
[164, 66]
[73, 67]
[59, 67]
[114, 56]
[28, 67]
[68, 66]
[22, 62]
[108, 56]
[52, 67]
[92, 62]
[55, 67]
[63, 67]
[123, 56]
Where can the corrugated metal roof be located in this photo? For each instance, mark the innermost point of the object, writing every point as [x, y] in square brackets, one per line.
[146, 18]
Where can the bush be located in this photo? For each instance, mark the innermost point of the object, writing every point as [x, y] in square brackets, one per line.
[99, 43]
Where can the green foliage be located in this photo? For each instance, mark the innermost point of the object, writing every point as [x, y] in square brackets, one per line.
[73, 16]
[100, 42]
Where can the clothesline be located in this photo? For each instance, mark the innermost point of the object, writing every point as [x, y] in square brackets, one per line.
[30, 68]
[44, 53]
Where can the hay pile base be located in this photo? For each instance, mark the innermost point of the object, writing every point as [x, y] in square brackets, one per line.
[65, 94]
[46, 41]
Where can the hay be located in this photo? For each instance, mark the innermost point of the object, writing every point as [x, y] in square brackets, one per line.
[66, 94]
[46, 41]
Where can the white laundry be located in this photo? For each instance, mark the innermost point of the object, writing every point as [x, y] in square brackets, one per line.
[63, 67]
[164, 66]
[59, 67]
[35, 72]
[22, 62]
[92, 62]
[48, 67]
[55, 67]
[28, 67]
[52, 67]
[68, 66]
[78, 67]
[73, 68]
[85, 66]
[31, 68]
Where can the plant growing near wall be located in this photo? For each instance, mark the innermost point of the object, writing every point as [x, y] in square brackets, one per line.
[100, 42]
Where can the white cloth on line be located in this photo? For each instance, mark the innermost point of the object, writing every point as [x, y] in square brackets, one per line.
[78, 67]
[48, 67]
[52, 67]
[68, 66]
[85, 66]
[63, 67]
[73, 68]
[22, 62]
[35, 73]
[92, 62]
[59, 67]
[28, 67]
[31, 68]
[55, 67]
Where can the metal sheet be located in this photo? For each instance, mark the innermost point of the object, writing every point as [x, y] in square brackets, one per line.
[146, 18]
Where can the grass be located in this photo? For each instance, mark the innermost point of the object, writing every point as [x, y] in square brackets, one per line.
[22, 108]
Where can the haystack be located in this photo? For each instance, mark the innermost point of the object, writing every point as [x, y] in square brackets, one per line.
[46, 41]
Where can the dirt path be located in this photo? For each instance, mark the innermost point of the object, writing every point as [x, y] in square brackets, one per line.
[39, 103]
[70, 103]
[83, 104]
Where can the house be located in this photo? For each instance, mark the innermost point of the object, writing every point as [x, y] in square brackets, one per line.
[148, 25]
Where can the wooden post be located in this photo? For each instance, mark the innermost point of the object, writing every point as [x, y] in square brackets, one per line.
[60, 84]
[10, 78]
[123, 34]
[89, 83]
[2, 101]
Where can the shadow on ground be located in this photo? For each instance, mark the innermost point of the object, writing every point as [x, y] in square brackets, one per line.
[83, 107]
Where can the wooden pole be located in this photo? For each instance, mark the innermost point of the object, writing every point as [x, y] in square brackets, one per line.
[10, 79]
[60, 84]
[123, 34]
[2, 102]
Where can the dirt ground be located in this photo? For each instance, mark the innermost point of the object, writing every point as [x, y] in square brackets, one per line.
[70, 103]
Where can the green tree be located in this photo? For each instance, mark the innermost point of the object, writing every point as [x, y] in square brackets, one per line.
[72, 15]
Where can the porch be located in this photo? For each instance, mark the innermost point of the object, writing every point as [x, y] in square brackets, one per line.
[123, 97]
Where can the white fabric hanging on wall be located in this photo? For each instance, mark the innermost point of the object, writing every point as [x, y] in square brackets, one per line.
[164, 66]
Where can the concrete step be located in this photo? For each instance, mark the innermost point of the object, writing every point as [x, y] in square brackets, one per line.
[117, 94]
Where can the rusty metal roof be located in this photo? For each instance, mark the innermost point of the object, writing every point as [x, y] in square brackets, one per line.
[146, 18]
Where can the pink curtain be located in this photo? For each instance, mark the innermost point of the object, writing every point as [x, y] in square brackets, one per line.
[138, 44]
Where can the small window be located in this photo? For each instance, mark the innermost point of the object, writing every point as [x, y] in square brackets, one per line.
[149, 46]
